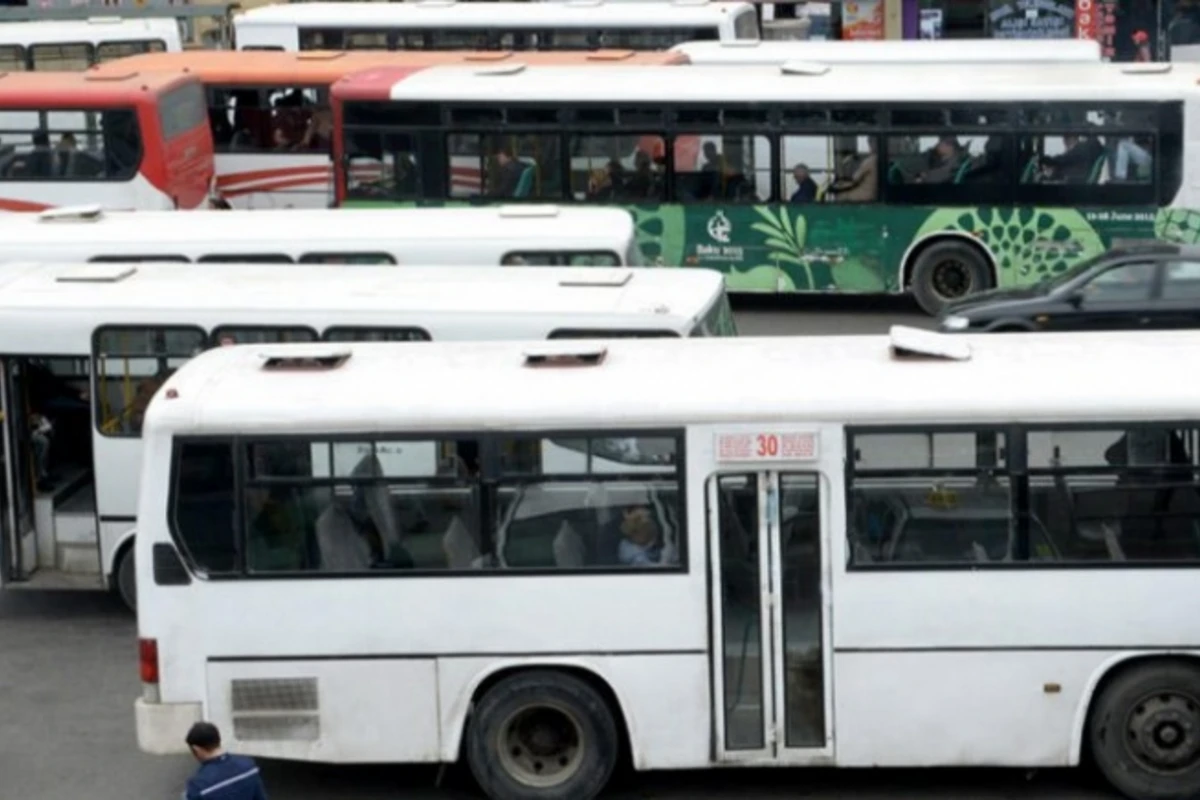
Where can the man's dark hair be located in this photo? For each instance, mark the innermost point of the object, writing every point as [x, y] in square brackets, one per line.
[204, 735]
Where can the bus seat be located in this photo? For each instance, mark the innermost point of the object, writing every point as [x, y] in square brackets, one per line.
[340, 546]
[568, 547]
[461, 550]
[525, 184]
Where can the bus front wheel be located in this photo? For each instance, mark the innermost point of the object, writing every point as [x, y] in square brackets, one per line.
[542, 735]
[946, 271]
[1144, 731]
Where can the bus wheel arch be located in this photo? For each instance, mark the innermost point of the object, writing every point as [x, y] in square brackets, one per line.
[1124, 690]
[502, 696]
[123, 578]
[953, 258]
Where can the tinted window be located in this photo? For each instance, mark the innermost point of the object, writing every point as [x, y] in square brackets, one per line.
[202, 506]
[107, 51]
[181, 110]
[1117, 495]
[1182, 281]
[1123, 283]
[234, 334]
[12, 58]
[61, 57]
[245, 258]
[376, 335]
[929, 497]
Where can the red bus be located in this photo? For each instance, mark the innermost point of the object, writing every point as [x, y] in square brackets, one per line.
[131, 140]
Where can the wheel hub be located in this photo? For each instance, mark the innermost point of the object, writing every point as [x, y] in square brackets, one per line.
[1164, 732]
[541, 747]
[951, 279]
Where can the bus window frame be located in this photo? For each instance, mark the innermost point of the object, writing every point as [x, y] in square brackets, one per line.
[849, 119]
[94, 356]
[484, 484]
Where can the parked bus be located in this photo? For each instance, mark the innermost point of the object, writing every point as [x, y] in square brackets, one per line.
[910, 51]
[485, 236]
[209, 24]
[692, 574]
[269, 111]
[86, 346]
[77, 45]
[448, 25]
[974, 186]
[124, 141]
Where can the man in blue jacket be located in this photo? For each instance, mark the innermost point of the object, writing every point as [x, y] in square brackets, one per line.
[221, 776]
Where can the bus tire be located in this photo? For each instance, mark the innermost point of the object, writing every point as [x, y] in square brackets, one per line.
[948, 271]
[1144, 731]
[542, 735]
[126, 579]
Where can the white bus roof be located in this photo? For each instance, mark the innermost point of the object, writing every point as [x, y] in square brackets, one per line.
[659, 383]
[910, 51]
[814, 83]
[54, 309]
[440, 14]
[287, 230]
[94, 29]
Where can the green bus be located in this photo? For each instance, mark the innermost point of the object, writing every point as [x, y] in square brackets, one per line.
[943, 180]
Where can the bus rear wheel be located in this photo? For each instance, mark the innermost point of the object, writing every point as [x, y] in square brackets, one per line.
[1144, 732]
[948, 271]
[126, 580]
[542, 735]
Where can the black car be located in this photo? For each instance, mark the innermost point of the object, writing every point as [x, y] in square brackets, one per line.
[1136, 288]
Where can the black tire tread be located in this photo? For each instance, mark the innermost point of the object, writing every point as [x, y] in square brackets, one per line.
[1108, 751]
[589, 706]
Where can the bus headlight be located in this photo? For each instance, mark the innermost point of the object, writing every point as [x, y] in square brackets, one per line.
[956, 323]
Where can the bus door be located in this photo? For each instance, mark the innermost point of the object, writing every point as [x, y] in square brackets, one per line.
[769, 600]
[20, 540]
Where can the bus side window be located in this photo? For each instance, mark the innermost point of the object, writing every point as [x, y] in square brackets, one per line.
[130, 364]
[62, 57]
[377, 335]
[244, 258]
[260, 334]
[357, 259]
[202, 505]
[122, 144]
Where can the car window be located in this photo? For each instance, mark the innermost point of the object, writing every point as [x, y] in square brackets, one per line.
[1182, 281]
[1124, 282]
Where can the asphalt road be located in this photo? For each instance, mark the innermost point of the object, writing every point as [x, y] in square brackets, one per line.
[68, 676]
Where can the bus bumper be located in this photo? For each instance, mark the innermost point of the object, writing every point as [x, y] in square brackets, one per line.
[161, 727]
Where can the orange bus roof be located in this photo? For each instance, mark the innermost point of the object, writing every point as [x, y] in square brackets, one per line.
[83, 89]
[324, 67]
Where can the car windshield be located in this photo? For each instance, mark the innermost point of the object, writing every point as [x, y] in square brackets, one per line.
[1063, 278]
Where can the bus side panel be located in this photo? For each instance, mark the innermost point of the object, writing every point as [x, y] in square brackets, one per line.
[960, 709]
[668, 719]
[330, 710]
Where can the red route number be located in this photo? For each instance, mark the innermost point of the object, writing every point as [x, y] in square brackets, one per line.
[766, 446]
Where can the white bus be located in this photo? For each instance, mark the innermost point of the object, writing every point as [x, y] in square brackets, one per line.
[78, 44]
[449, 25]
[828, 551]
[911, 51]
[87, 345]
[485, 236]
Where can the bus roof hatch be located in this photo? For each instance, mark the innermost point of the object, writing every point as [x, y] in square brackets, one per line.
[914, 343]
[565, 353]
